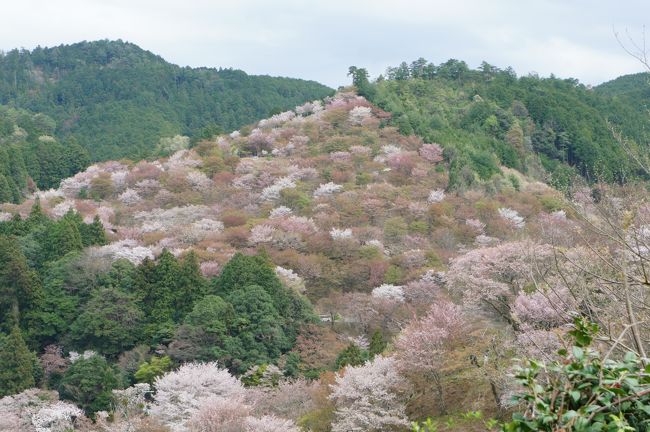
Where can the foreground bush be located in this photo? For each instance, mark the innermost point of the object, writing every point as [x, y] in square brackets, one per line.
[583, 390]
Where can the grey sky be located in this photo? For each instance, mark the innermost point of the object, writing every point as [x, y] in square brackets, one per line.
[319, 39]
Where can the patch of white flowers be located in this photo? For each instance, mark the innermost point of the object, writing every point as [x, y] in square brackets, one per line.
[512, 216]
[327, 189]
[436, 196]
[273, 192]
[389, 292]
[340, 234]
[280, 212]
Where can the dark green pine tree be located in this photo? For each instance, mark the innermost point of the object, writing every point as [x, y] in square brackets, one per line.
[192, 286]
[20, 289]
[36, 215]
[377, 344]
[351, 356]
[16, 364]
[6, 194]
[94, 233]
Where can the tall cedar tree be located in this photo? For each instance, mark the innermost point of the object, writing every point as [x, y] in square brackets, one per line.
[16, 364]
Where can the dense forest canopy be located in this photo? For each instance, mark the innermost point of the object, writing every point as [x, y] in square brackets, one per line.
[117, 100]
[489, 117]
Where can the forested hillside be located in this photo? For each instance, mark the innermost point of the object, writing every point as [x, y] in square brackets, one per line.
[117, 100]
[489, 117]
[320, 271]
[31, 157]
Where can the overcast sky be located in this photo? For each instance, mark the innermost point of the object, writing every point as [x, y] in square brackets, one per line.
[319, 39]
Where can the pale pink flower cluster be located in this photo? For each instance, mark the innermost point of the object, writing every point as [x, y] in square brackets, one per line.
[129, 197]
[389, 149]
[297, 224]
[74, 356]
[124, 249]
[340, 156]
[476, 225]
[369, 398]
[389, 292]
[277, 119]
[327, 189]
[436, 196]
[359, 114]
[291, 279]
[340, 234]
[4, 216]
[59, 416]
[62, 208]
[512, 217]
[310, 108]
[210, 268]
[198, 180]
[273, 192]
[361, 151]
[261, 234]
[421, 345]
[180, 393]
[431, 153]
[280, 212]
[545, 310]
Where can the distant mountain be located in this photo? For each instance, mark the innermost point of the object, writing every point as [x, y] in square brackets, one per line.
[490, 117]
[633, 88]
[117, 100]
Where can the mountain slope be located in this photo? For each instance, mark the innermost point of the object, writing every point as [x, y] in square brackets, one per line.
[118, 100]
[488, 116]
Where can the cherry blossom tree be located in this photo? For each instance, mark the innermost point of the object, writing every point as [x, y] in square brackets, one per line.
[370, 397]
[431, 153]
[180, 393]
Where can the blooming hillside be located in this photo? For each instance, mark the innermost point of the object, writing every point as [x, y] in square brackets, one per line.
[417, 286]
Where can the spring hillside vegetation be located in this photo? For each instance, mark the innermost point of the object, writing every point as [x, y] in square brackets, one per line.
[464, 250]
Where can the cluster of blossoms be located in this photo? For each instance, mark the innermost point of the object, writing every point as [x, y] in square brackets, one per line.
[291, 279]
[280, 212]
[389, 292]
[59, 416]
[476, 225]
[340, 234]
[340, 156]
[309, 108]
[129, 197]
[368, 397]
[62, 208]
[359, 114]
[261, 234]
[124, 249]
[198, 180]
[276, 120]
[74, 356]
[512, 217]
[436, 196]
[327, 189]
[431, 153]
[166, 219]
[273, 192]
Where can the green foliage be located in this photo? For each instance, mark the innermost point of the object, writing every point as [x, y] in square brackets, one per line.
[16, 364]
[377, 344]
[118, 100]
[488, 117]
[352, 355]
[88, 382]
[157, 366]
[110, 323]
[583, 391]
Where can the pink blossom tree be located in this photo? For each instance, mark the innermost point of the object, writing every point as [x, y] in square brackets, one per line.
[370, 398]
